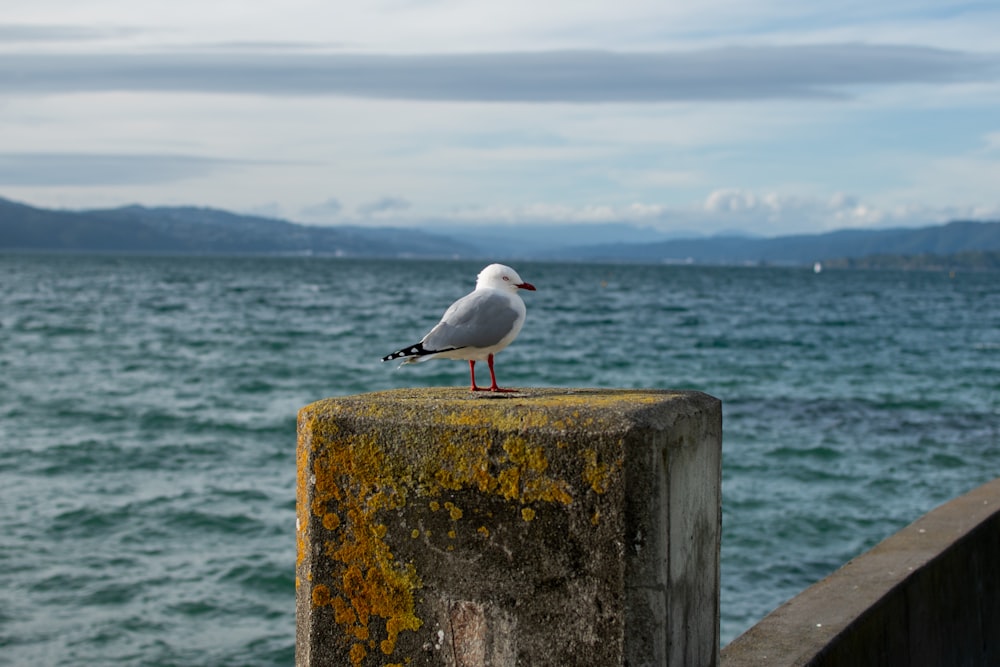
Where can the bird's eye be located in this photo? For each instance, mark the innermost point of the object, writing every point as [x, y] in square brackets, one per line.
[506, 278]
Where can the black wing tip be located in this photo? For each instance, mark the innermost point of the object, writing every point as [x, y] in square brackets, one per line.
[411, 351]
[417, 350]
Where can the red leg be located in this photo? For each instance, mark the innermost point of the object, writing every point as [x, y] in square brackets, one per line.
[493, 377]
[472, 372]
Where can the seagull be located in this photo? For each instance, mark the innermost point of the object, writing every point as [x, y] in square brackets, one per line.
[477, 326]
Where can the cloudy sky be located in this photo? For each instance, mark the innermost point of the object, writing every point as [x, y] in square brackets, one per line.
[768, 116]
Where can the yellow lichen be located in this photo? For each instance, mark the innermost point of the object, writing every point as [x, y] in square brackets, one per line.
[595, 473]
[524, 477]
[301, 497]
[509, 482]
[528, 514]
[454, 512]
[352, 471]
[321, 595]
[343, 613]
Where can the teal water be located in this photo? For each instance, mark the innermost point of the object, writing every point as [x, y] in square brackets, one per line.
[147, 422]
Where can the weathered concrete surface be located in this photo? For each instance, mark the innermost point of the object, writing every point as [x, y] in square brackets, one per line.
[928, 595]
[547, 527]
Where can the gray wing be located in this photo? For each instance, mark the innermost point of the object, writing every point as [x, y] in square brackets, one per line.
[479, 319]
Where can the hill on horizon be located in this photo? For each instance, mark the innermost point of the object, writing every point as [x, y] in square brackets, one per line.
[947, 239]
[207, 231]
[204, 231]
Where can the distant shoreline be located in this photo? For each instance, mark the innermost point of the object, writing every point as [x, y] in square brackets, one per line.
[961, 261]
[976, 262]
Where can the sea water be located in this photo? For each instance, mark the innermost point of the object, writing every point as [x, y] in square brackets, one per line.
[147, 421]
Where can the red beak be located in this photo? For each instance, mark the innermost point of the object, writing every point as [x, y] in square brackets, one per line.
[527, 286]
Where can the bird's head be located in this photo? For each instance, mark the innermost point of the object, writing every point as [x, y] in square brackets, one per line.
[499, 276]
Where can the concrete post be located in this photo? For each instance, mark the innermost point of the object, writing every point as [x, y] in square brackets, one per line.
[547, 527]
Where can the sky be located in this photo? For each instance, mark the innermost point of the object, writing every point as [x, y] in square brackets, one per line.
[765, 117]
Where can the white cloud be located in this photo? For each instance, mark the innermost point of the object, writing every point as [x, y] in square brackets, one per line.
[544, 212]
[385, 206]
[408, 27]
[767, 213]
[731, 201]
[991, 141]
[326, 211]
[723, 211]
[774, 214]
[265, 210]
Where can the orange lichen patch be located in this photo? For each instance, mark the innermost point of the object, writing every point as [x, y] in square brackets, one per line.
[321, 595]
[509, 483]
[528, 480]
[454, 512]
[458, 460]
[375, 592]
[528, 514]
[484, 531]
[301, 496]
[595, 473]
[343, 613]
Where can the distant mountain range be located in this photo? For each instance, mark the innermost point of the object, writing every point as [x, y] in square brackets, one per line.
[947, 239]
[977, 260]
[191, 230]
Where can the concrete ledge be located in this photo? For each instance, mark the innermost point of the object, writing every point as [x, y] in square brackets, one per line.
[928, 595]
[546, 527]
